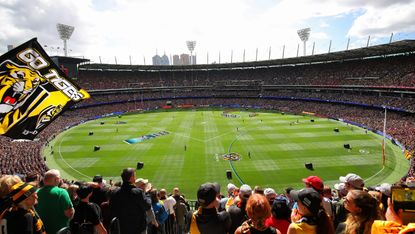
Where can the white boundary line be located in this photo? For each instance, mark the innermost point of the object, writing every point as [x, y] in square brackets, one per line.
[60, 154]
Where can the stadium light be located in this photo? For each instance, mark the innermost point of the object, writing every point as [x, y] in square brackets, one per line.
[65, 32]
[191, 46]
[304, 34]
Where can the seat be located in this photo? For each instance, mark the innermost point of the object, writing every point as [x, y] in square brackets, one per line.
[114, 226]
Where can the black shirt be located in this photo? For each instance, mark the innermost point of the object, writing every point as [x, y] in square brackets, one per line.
[238, 215]
[87, 213]
[130, 204]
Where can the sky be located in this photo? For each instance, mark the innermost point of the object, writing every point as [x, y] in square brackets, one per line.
[132, 31]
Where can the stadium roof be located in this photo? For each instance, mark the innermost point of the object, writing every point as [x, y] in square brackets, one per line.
[404, 47]
[70, 60]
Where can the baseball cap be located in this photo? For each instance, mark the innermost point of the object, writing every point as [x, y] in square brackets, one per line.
[140, 181]
[20, 191]
[353, 180]
[206, 193]
[245, 191]
[231, 187]
[309, 197]
[315, 182]
[385, 189]
[269, 191]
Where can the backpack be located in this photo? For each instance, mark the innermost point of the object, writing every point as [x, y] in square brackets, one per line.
[82, 226]
[161, 215]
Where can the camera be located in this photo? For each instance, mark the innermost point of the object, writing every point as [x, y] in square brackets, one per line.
[404, 198]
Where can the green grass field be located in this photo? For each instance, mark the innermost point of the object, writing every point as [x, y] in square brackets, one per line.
[278, 150]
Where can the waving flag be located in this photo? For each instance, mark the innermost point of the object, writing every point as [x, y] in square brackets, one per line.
[33, 91]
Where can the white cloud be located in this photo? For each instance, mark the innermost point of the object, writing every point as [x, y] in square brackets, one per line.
[384, 21]
[138, 28]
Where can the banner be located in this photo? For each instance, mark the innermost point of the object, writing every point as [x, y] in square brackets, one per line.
[33, 91]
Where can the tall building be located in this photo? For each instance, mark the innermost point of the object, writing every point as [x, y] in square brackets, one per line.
[176, 60]
[185, 59]
[156, 60]
[165, 60]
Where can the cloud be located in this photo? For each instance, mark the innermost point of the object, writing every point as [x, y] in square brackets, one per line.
[138, 28]
[383, 21]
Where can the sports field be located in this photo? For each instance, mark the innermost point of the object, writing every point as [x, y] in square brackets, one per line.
[185, 149]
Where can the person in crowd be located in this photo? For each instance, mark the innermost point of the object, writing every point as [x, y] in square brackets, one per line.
[288, 196]
[54, 206]
[270, 194]
[363, 211]
[180, 210]
[314, 219]
[159, 212]
[99, 190]
[169, 202]
[280, 215]
[394, 222]
[385, 190]
[18, 212]
[237, 211]
[258, 211]
[317, 184]
[87, 214]
[72, 194]
[129, 204]
[350, 182]
[328, 201]
[207, 220]
[258, 189]
[228, 200]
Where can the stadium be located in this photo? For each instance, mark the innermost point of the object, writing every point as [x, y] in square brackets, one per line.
[268, 124]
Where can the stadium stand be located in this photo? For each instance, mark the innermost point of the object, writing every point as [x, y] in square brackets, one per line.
[353, 85]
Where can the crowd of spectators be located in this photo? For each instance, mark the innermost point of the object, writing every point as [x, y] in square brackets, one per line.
[50, 204]
[396, 71]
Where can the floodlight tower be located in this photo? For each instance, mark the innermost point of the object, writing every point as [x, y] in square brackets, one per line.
[304, 34]
[191, 46]
[65, 32]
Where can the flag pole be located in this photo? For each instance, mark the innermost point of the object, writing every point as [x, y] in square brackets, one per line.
[383, 141]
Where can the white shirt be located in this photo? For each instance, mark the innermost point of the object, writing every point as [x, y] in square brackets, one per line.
[169, 203]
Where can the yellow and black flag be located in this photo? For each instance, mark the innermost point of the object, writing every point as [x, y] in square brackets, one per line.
[408, 154]
[33, 91]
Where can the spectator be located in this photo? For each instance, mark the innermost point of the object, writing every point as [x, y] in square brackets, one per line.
[129, 204]
[363, 210]
[394, 222]
[237, 211]
[206, 220]
[159, 212]
[99, 191]
[229, 199]
[258, 210]
[314, 219]
[351, 182]
[280, 215]
[180, 210]
[270, 194]
[87, 213]
[288, 195]
[315, 183]
[169, 203]
[21, 216]
[55, 206]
